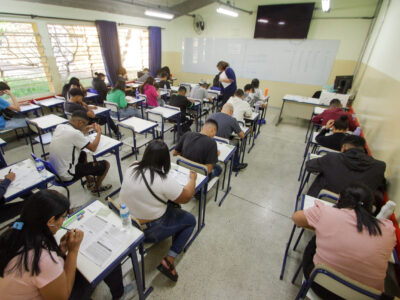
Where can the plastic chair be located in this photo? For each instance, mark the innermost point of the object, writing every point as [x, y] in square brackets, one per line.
[163, 126]
[57, 181]
[40, 138]
[337, 283]
[114, 108]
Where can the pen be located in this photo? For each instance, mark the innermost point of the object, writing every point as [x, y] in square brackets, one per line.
[9, 171]
[65, 228]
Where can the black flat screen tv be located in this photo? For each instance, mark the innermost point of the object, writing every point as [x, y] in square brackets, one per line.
[283, 21]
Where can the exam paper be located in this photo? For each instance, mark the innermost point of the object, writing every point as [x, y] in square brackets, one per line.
[223, 76]
[25, 175]
[181, 178]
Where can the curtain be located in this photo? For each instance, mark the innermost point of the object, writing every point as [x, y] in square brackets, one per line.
[154, 50]
[109, 44]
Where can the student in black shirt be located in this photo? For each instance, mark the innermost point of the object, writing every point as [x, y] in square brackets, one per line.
[98, 83]
[164, 83]
[180, 100]
[339, 129]
[201, 147]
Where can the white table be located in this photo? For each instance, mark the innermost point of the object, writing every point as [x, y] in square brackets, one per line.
[140, 126]
[133, 84]
[24, 109]
[253, 120]
[27, 178]
[48, 122]
[318, 110]
[50, 102]
[126, 241]
[132, 100]
[165, 112]
[99, 110]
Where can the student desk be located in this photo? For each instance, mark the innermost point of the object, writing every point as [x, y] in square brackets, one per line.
[27, 178]
[226, 154]
[300, 104]
[201, 181]
[168, 113]
[2, 146]
[25, 109]
[44, 125]
[107, 145]
[133, 84]
[316, 111]
[139, 126]
[91, 96]
[197, 109]
[104, 111]
[253, 120]
[51, 103]
[263, 112]
[127, 241]
[133, 100]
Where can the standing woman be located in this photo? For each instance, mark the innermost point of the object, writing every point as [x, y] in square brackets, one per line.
[147, 187]
[227, 78]
[148, 88]
[99, 84]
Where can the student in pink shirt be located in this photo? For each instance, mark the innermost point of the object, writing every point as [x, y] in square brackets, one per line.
[33, 266]
[348, 238]
[150, 91]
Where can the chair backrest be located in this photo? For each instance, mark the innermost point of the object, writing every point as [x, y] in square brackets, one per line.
[143, 96]
[194, 166]
[116, 207]
[49, 167]
[328, 196]
[221, 139]
[92, 91]
[112, 106]
[32, 126]
[342, 285]
[155, 117]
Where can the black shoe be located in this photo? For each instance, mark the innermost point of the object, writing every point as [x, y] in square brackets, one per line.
[239, 167]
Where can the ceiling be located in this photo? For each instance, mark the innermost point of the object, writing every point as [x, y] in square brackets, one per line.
[134, 8]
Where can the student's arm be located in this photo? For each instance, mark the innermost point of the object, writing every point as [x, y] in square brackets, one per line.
[248, 111]
[209, 168]
[93, 145]
[299, 218]
[241, 134]
[90, 114]
[320, 138]
[317, 119]
[15, 106]
[315, 165]
[5, 183]
[188, 190]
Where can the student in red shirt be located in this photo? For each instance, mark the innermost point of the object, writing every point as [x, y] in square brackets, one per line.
[333, 113]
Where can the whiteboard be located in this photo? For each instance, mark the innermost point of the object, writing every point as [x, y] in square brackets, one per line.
[295, 61]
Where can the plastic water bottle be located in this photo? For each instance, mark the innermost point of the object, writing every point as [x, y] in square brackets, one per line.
[386, 210]
[137, 93]
[165, 86]
[40, 168]
[125, 216]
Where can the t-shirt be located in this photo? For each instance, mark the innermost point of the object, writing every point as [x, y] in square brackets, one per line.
[182, 102]
[230, 89]
[226, 125]
[3, 105]
[165, 83]
[198, 92]
[26, 287]
[360, 256]
[65, 148]
[151, 93]
[117, 96]
[72, 106]
[240, 108]
[198, 147]
[140, 201]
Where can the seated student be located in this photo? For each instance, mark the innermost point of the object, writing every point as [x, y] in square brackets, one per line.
[166, 70]
[333, 113]
[146, 189]
[258, 95]
[164, 83]
[73, 84]
[7, 122]
[117, 95]
[200, 91]
[339, 129]
[122, 74]
[226, 126]
[148, 89]
[69, 159]
[34, 266]
[336, 170]
[8, 210]
[241, 108]
[180, 100]
[98, 83]
[145, 75]
[201, 147]
[76, 103]
[348, 239]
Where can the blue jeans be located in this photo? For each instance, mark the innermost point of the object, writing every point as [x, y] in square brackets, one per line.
[127, 113]
[215, 172]
[15, 123]
[175, 222]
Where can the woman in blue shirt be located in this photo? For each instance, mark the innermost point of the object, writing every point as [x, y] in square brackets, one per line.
[227, 76]
[9, 123]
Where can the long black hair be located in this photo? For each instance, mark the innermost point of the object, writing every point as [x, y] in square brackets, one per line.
[150, 80]
[120, 85]
[156, 159]
[67, 86]
[359, 197]
[35, 234]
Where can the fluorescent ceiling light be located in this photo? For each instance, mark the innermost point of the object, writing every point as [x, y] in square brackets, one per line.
[281, 23]
[265, 21]
[227, 12]
[158, 14]
[326, 5]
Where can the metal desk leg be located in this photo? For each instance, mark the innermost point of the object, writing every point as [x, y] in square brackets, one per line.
[200, 222]
[223, 181]
[204, 192]
[254, 135]
[308, 127]
[228, 188]
[108, 124]
[286, 252]
[138, 277]
[244, 143]
[116, 152]
[280, 114]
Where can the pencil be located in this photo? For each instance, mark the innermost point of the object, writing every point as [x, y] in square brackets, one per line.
[65, 228]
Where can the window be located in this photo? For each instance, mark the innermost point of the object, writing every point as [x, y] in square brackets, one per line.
[77, 51]
[134, 47]
[22, 62]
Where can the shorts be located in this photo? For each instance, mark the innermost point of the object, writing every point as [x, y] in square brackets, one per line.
[84, 168]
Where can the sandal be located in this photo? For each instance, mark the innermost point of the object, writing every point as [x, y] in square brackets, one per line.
[168, 271]
[101, 189]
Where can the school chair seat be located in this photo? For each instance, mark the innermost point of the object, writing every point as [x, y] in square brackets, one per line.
[163, 125]
[114, 108]
[337, 283]
[37, 136]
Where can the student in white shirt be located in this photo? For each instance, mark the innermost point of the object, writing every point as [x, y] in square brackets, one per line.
[147, 187]
[199, 92]
[69, 159]
[241, 108]
[253, 95]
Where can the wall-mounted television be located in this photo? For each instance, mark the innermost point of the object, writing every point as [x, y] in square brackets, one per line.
[283, 21]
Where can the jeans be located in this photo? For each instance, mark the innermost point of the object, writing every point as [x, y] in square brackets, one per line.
[82, 290]
[127, 113]
[175, 222]
[215, 172]
[15, 123]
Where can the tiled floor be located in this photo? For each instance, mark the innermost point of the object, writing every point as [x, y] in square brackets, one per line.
[238, 254]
